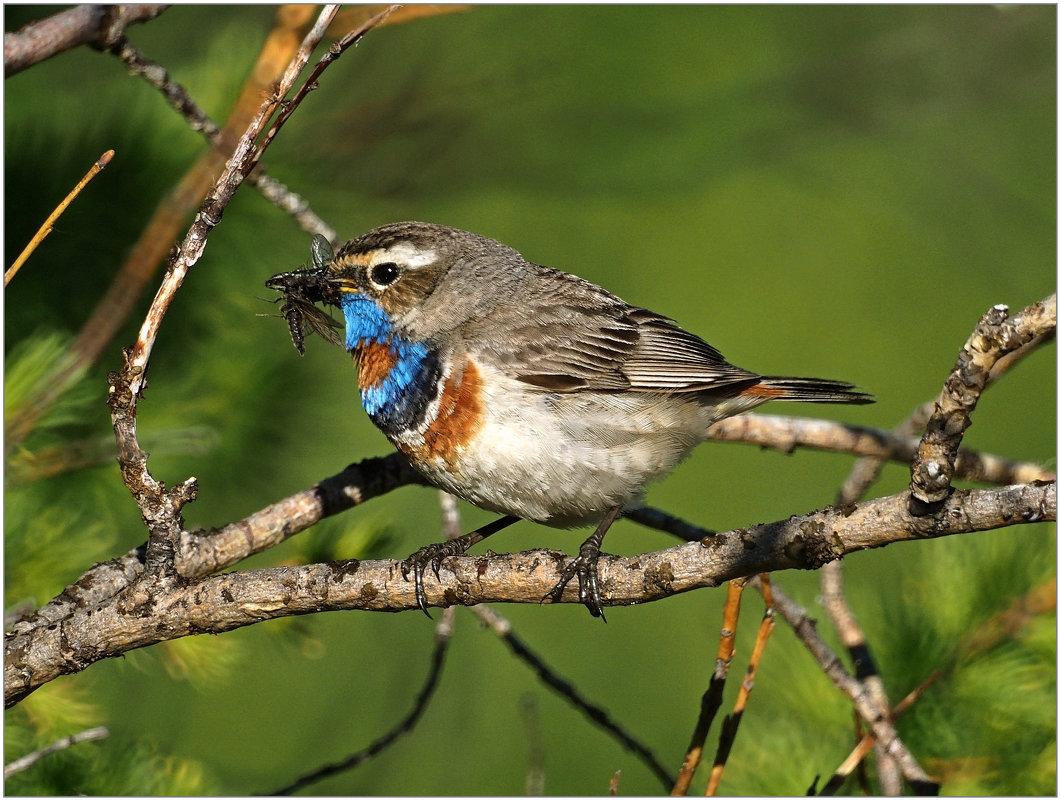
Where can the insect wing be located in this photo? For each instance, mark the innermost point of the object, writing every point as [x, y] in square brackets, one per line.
[320, 251]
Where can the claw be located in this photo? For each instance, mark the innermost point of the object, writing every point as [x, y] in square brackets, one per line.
[584, 566]
[434, 554]
[428, 555]
[589, 588]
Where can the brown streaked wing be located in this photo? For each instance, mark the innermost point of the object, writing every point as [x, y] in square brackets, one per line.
[564, 334]
[670, 359]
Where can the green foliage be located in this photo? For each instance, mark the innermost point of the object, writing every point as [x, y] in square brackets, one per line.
[836, 191]
[116, 765]
[48, 535]
[30, 364]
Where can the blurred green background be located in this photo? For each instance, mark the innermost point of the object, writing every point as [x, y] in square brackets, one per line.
[833, 191]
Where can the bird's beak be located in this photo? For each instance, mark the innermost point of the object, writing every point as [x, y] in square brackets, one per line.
[340, 285]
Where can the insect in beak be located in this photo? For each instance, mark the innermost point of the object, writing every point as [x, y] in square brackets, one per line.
[301, 289]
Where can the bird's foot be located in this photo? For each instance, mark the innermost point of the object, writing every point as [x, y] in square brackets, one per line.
[584, 567]
[431, 555]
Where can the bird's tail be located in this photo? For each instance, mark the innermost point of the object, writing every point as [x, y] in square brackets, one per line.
[808, 390]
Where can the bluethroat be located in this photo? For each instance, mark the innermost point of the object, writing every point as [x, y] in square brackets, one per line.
[522, 389]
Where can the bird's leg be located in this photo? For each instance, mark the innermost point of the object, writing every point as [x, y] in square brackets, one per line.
[434, 554]
[585, 567]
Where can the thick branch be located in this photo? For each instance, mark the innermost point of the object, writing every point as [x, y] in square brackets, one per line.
[201, 554]
[135, 619]
[86, 24]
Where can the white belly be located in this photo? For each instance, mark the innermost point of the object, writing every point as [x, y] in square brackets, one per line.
[565, 459]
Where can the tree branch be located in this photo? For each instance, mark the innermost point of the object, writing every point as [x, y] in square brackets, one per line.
[161, 509]
[200, 554]
[711, 700]
[863, 473]
[85, 24]
[135, 619]
[995, 336]
[728, 736]
[785, 434]
[443, 635]
[879, 723]
[865, 666]
[20, 764]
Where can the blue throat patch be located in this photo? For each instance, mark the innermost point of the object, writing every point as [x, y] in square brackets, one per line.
[365, 320]
[400, 400]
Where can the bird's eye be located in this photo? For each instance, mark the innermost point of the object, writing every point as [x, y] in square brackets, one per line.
[385, 274]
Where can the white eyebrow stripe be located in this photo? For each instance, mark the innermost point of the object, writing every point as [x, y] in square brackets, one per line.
[409, 255]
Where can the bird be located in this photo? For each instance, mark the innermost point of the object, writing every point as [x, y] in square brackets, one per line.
[522, 389]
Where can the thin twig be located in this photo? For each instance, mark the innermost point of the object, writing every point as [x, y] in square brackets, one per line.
[728, 735]
[443, 635]
[847, 767]
[598, 716]
[711, 700]
[49, 223]
[175, 94]
[882, 728]
[157, 236]
[867, 740]
[651, 517]
[863, 473]
[858, 649]
[311, 83]
[161, 508]
[240, 165]
[182, 102]
[785, 433]
[20, 764]
[293, 203]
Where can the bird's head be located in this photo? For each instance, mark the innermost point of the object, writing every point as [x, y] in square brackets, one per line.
[416, 280]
